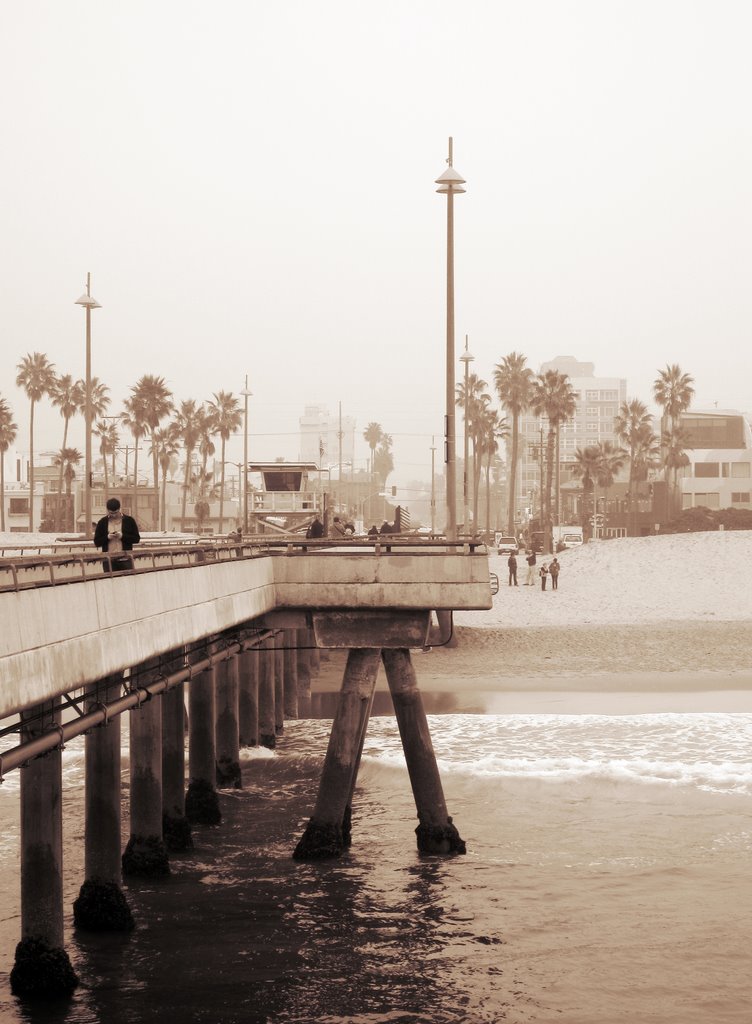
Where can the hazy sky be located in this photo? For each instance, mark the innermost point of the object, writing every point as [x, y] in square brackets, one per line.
[251, 186]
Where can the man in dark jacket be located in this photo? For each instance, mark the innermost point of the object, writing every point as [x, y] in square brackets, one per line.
[116, 533]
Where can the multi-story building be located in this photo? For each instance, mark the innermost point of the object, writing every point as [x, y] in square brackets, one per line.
[324, 439]
[719, 474]
[598, 402]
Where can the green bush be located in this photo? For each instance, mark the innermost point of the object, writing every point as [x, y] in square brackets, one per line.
[699, 519]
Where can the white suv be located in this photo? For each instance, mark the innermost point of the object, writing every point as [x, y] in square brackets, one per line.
[507, 546]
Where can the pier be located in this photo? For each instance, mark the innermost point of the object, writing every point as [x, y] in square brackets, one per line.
[234, 630]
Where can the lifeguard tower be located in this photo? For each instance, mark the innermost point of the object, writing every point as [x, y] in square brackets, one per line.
[284, 503]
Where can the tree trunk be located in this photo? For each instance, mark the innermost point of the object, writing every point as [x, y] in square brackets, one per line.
[58, 510]
[31, 468]
[222, 490]
[512, 475]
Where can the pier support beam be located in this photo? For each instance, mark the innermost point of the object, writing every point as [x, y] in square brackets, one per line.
[176, 828]
[42, 967]
[145, 855]
[248, 672]
[101, 904]
[279, 684]
[201, 800]
[227, 731]
[436, 833]
[266, 692]
[325, 834]
[305, 639]
[291, 673]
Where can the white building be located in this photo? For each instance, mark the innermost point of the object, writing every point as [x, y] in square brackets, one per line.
[719, 474]
[321, 435]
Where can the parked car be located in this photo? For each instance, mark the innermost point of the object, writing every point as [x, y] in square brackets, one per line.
[507, 545]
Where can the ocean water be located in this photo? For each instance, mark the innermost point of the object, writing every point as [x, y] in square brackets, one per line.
[606, 880]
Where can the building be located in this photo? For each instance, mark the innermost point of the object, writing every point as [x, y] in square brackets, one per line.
[719, 474]
[321, 435]
[598, 402]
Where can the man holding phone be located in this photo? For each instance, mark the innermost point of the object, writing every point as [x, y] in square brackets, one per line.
[116, 533]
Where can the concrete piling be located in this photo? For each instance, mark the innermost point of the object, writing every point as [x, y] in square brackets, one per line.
[248, 672]
[279, 683]
[227, 731]
[291, 673]
[436, 833]
[145, 855]
[304, 672]
[42, 967]
[324, 835]
[101, 904]
[176, 828]
[201, 800]
[266, 694]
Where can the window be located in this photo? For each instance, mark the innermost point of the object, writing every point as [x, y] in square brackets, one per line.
[610, 396]
[709, 500]
[740, 497]
[592, 410]
[608, 411]
[18, 506]
[740, 469]
[592, 427]
[592, 396]
[707, 469]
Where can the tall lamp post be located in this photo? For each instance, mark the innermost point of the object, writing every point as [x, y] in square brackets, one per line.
[466, 358]
[433, 485]
[88, 303]
[450, 184]
[246, 395]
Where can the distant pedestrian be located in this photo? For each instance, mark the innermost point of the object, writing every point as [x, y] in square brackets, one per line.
[116, 533]
[337, 529]
[543, 573]
[553, 570]
[512, 563]
[373, 531]
[530, 559]
[386, 527]
[316, 528]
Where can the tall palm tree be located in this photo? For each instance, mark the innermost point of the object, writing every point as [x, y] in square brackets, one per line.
[8, 430]
[68, 459]
[633, 426]
[552, 396]
[109, 438]
[383, 459]
[673, 391]
[586, 467]
[187, 425]
[372, 436]
[206, 447]
[155, 399]
[36, 375]
[166, 441]
[133, 418]
[494, 428]
[100, 400]
[513, 382]
[612, 459]
[228, 418]
[68, 395]
[474, 406]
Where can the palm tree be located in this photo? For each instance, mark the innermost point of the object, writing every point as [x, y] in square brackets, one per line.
[67, 459]
[586, 467]
[206, 447]
[227, 417]
[552, 396]
[493, 429]
[474, 405]
[612, 459]
[100, 401]
[109, 438]
[155, 400]
[187, 426]
[372, 435]
[633, 425]
[36, 375]
[673, 391]
[68, 395]
[8, 430]
[513, 380]
[134, 419]
[166, 441]
[383, 459]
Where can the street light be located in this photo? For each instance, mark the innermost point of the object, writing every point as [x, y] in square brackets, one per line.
[466, 358]
[88, 303]
[450, 183]
[246, 395]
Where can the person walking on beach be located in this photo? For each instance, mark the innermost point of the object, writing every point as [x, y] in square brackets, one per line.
[115, 533]
[530, 559]
[512, 563]
[543, 573]
[553, 570]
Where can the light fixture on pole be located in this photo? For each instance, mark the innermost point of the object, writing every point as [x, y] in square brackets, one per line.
[246, 395]
[88, 303]
[450, 184]
[466, 358]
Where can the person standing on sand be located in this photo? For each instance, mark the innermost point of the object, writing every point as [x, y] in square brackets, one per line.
[530, 559]
[512, 563]
[553, 570]
[543, 573]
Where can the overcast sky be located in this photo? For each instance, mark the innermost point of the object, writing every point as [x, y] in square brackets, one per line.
[251, 185]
